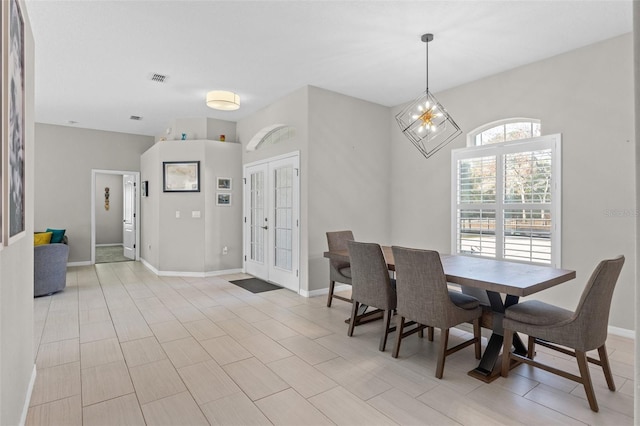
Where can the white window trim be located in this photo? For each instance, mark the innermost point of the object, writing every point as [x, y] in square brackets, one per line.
[471, 136]
[553, 142]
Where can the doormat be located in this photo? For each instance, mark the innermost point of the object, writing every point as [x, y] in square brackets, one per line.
[255, 285]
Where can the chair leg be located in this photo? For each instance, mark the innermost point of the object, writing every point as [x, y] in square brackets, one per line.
[420, 332]
[352, 321]
[531, 347]
[399, 331]
[606, 368]
[477, 334]
[332, 285]
[386, 322]
[586, 380]
[430, 333]
[506, 352]
[442, 352]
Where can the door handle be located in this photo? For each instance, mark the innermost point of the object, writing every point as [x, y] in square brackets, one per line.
[264, 227]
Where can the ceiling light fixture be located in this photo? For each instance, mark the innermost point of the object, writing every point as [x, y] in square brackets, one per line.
[425, 122]
[223, 100]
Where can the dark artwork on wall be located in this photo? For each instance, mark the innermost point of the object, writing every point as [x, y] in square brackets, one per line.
[16, 149]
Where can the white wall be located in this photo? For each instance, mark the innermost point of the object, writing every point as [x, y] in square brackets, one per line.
[149, 206]
[585, 95]
[16, 274]
[65, 158]
[108, 222]
[188, 244]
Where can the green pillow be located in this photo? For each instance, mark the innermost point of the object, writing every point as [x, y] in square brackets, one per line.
[57, 235]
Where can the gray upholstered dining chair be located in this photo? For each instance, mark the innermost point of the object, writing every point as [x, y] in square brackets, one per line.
[371, 285]
[557, 328]
[423, 296]
[338, 271]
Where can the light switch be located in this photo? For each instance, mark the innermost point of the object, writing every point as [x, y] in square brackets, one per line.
[195, 214]
[177, 214]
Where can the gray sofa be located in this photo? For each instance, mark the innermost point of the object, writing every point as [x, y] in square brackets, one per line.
[49, 268]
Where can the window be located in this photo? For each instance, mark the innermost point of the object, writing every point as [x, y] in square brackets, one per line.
[507, 130]
[506, 200]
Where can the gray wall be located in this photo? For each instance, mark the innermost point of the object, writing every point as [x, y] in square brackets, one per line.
[64, 160]
[109, 222]
[344, 163]
[16, 275]
[292, 110]
[585, 95]
[188, 244]
[349, 174]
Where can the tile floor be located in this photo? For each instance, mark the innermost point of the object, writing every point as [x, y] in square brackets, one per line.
[123, 346]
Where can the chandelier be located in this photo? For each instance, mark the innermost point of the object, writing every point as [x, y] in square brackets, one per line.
[424, 121]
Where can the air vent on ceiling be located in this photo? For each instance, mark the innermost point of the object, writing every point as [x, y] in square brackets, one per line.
[158, 78]
[135, 117]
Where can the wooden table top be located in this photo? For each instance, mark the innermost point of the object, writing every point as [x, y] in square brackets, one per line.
[518, 279]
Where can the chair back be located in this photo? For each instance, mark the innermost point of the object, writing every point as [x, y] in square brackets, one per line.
[593, 308]
[370, 280]
[421, 286]
[337, 241]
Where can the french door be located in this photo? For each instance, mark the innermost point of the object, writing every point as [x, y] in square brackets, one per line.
[271, 220]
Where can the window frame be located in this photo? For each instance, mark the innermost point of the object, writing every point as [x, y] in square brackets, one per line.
[553, 142]
[471, 136]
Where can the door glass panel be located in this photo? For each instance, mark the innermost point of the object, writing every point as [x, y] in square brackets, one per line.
[257, 216]
[283, 212]
[129, 198]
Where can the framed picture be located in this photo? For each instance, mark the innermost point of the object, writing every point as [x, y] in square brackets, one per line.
[181, 176]
[223, 199]
[14, 129]
[224, 183]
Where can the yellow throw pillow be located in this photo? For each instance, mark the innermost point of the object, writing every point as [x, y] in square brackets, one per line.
[42, 238]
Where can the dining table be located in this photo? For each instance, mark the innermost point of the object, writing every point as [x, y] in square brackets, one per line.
[504, 283]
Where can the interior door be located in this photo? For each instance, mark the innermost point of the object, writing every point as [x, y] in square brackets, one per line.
[256, 222]
[272, 221]
[129, 216]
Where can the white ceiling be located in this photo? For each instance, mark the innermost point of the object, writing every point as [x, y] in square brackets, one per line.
[94, 58]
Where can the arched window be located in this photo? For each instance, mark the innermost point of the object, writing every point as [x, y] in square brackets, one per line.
[271, 135]
[510, 129]
[506, 193]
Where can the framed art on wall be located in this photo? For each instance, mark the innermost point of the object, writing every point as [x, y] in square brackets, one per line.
[15, 132]
[181, 176]
[224, 183]
[223, 199]
[3, 108]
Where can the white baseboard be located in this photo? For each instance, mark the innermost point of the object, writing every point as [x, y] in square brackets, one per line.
[622, 332]
[324, 291]
[84, 263]
[27, 400]
[189, 274]
[223, 272]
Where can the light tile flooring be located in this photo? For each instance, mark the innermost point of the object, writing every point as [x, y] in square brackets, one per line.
[123, 346]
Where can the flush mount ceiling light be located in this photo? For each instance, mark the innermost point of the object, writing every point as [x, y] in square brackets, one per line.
[223, 100]
[425, 122]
